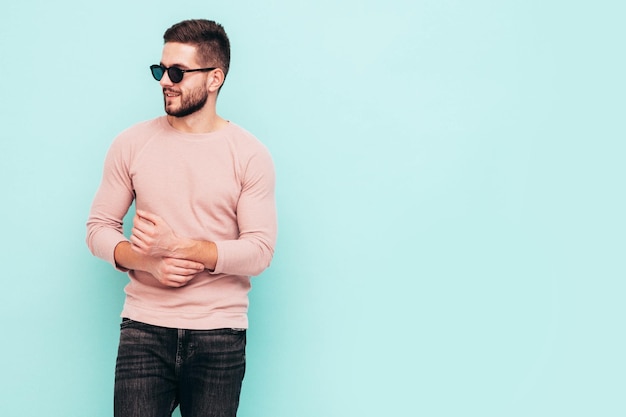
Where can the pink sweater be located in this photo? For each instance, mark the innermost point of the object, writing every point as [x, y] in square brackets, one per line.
[218, 187]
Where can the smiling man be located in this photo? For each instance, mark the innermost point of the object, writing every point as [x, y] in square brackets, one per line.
[205, 223]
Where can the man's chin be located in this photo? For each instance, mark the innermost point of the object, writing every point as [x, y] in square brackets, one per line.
[175, 112]
[180, 111]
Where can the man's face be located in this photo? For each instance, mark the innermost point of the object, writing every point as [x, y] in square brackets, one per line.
[190, 95]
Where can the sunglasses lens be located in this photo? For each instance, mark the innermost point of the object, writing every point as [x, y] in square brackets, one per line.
[175, 74]
[157, 72]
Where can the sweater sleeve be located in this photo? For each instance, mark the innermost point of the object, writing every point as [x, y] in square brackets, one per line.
[252, 252]
[110, 205]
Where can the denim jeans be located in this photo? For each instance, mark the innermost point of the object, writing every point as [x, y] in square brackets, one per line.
[159, 368]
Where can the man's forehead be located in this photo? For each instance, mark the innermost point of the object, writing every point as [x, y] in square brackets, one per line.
[179, 53]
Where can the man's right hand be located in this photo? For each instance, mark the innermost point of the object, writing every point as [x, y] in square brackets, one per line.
[174, 272]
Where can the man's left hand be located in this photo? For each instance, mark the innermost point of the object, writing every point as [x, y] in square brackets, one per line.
[152, 236]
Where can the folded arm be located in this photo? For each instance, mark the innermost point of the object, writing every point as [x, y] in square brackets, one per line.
[169, 271]
[153, 237]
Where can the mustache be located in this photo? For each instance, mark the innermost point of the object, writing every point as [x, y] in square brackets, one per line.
[170, 90]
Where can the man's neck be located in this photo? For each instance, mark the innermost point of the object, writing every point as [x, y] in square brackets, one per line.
[198, 122]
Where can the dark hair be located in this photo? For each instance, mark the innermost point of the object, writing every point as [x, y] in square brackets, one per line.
[207, 36]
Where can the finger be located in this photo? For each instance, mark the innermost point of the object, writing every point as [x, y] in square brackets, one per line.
[138, 233]
[136, 241]
[185, 273]
[143, 238]
[173, 283]
[175, 280]
[194, 266]
[143, 225]
[177, 268]
[192, 269]
[139, 249]
[182, 267]
[146, 215]
[185, 263]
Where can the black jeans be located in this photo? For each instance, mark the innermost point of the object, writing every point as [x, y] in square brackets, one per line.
[159, 368]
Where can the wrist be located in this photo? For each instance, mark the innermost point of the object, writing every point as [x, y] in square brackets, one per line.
[127, 258]
[202, 251]
[183, 248]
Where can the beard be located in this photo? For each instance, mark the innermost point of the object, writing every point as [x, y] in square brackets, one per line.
[189, 103]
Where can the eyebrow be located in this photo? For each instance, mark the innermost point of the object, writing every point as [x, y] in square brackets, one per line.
[181, 66]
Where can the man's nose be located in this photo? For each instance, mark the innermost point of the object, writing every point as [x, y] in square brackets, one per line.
[165, 80]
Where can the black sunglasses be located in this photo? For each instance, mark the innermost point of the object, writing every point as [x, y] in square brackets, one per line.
[176, 74]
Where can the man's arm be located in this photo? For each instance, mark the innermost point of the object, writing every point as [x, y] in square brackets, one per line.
[105, 236]
[152, 237]
[173, 272]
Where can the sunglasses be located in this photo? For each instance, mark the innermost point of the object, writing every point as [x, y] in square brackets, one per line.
[174, 73]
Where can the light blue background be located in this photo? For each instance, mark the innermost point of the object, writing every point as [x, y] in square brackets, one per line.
[450, 193]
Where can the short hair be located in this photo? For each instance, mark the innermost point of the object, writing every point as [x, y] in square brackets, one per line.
[207, 36]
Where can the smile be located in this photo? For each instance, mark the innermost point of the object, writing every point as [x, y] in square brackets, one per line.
[170, 94]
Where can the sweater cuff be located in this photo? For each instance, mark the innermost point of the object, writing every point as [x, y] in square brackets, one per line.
[107, 242]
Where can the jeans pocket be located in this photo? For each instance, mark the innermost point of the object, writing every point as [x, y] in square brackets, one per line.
[126, 322]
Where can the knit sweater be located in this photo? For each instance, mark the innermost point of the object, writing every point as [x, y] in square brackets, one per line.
[218, 187]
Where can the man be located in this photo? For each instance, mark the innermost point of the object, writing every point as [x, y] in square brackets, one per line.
[205, 222]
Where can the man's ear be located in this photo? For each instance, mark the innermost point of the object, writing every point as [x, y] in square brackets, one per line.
[215, 79]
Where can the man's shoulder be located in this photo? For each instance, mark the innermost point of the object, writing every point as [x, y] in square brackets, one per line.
[242, 137]
[145, 126]
[139, 132]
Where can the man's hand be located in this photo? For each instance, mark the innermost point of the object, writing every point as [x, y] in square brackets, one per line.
[152, 236]
[170, 271]
[174, 272]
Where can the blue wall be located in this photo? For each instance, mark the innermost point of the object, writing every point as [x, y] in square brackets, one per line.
[450, 192]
